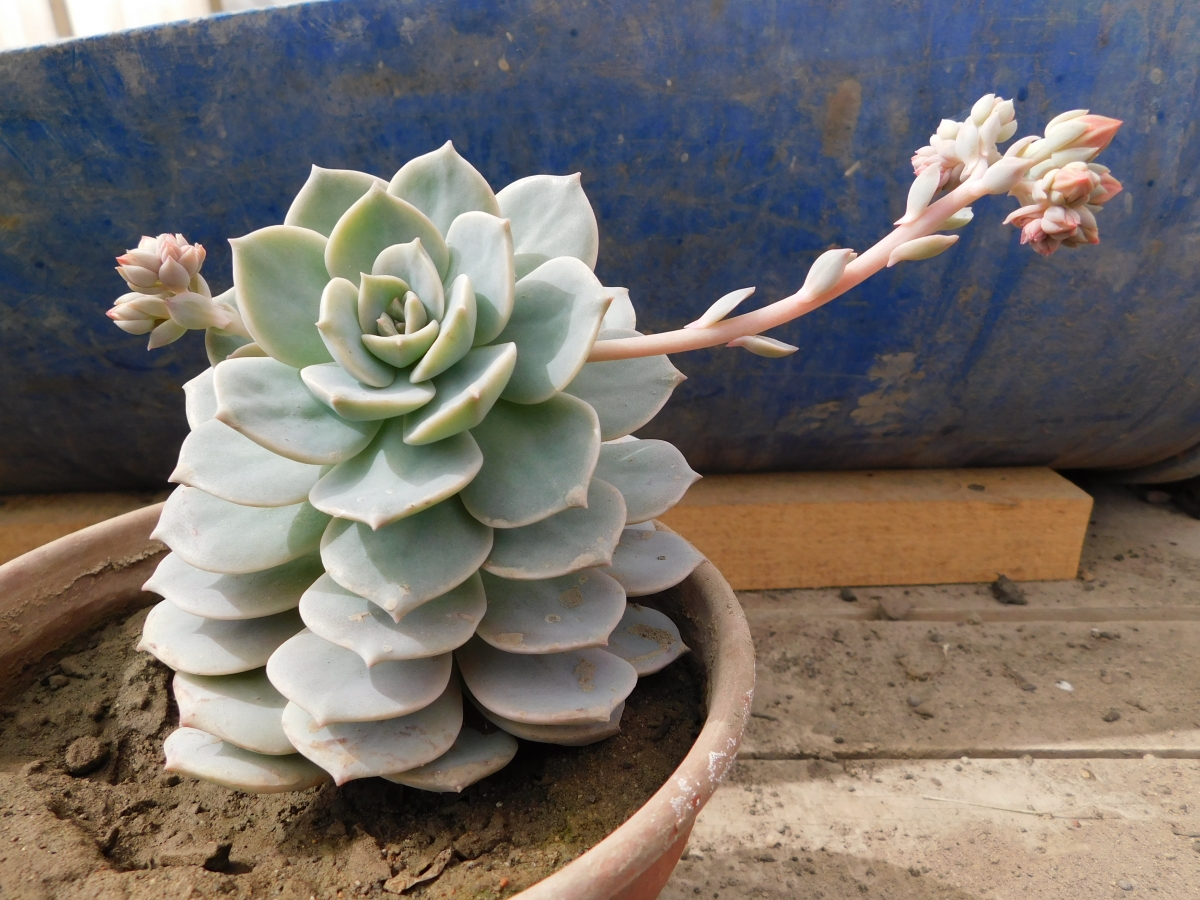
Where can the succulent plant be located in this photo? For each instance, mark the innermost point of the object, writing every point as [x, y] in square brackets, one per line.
[411, 475]
[404, 484]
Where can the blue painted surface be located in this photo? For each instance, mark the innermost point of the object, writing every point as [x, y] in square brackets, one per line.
[986, 355]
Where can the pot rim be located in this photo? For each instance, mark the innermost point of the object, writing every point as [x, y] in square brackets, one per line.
[71, 584]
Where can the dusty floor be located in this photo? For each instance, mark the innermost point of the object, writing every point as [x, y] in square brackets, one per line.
[942, 755]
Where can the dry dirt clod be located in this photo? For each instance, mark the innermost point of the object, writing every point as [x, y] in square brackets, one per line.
[86, 754]
[96, 709]
[1006, 591]
[474, 844]
[848, 595]
[212, 856]
[406, 881]
[1111, 716]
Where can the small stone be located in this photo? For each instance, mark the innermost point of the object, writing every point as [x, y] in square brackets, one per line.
[1196, 846]
[848, 595]
[1007, 592]
[1125, 885]
[1111, 716]
[924, 713]
[914, 871]
[212, 856]
[935, 637]
[839, 740]
[109, 840]
[974, 619]
[86, 754]
[895, 608]
[96, 709]
[1120, 557]
[58, 681]
[914, 701]
[75, 666]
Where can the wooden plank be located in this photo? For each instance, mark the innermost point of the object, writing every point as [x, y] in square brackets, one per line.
[829, 529]
[30, 520]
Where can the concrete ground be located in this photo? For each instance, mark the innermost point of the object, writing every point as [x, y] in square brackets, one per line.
[969, 749]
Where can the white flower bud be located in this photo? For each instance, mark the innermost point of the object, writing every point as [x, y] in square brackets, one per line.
[1003, 176]
[947, 130]
[1007, 112]
[982, 108]
[966, 145]
[1062, 135]
[1065, 117]
[173, 275]
[923, 188]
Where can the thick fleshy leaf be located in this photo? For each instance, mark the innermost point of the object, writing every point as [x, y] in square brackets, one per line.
[196, 753]
[550, 616]
[466, 393]
[409, 562]
[473, 757]
[646, 639]
[481, 247]
[375, 222]
[391, 479]
[443, 185]
[375, 295]
[279, 273]
[202, 646]
[551, 217]
[326, 195]
[652, 476]
[200, 399]
[646, 561]
[349, 750]
[577, 735]
[355, 402]
[353, 622]
[217, 596]
[620, 312]
[243, 709]
[333, 684]
[537, 461]
[412, 263]
[547, 689]
[219, 345]
[401, 350]
[219, 536]
[343, 338]
[555, 319]
[220, 461]
[267, 402]
[626, 393]
[566, 542]
[456, 334]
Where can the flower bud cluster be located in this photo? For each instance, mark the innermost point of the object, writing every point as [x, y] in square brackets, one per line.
[957, 149]
[1064, 188]
[168, 295]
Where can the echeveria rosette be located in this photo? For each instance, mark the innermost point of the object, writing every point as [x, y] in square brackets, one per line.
[408, 459]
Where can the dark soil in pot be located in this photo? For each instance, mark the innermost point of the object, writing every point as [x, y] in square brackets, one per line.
[86, 810]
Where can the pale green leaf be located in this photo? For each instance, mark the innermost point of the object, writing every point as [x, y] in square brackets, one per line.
[343, 338]
[566, 542]
[243, 709]
[391, 479]
[375, 222]
[620, 313]
[202, 646]
[443, 185]
[279, 274]
[333, 684]
[456, 334]
[551, 615]
[551, 217]
[537, 461]
[326, 195]
[354, 622]
[647, 561]
[200, 399]
[409, 562]
[251, 596]
[556, 316]
[197, 754]
[353, 401]
[474, 756]
[577, 735]
[375, 294]
[465, 393]
[626, 393]
[481, 246]
[349, 750]
[219, 536]
[646, 639]
[411, 263]
[220, 461]
[402, 350]
[267, 401]
[546, 689]
[652, 476]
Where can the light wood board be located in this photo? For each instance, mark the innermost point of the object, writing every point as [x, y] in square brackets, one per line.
[830, 529]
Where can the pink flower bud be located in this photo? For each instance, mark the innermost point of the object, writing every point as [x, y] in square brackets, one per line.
[1109, 188]
[173, 275]
[1099, 132]
[1074, 182]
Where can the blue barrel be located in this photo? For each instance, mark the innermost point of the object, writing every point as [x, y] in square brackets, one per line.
[723, 144]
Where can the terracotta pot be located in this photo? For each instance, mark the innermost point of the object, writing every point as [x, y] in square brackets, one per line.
[68, 586]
